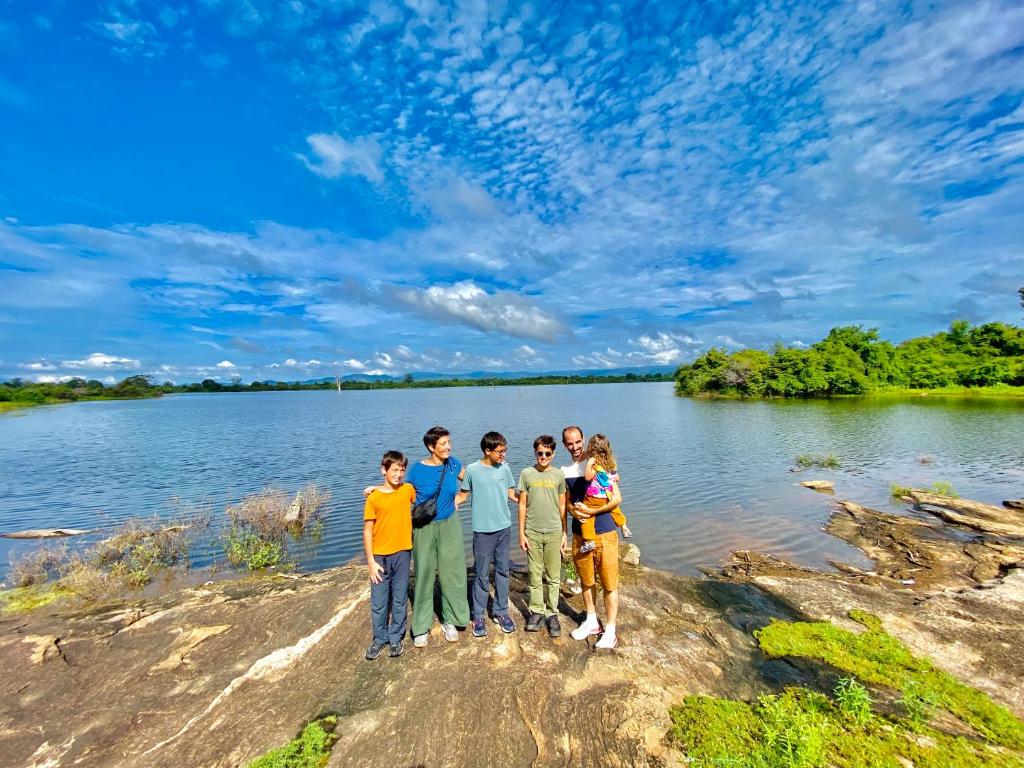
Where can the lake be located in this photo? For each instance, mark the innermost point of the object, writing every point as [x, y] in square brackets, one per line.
[699, 477]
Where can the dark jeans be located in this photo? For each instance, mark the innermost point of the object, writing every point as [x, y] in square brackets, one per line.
[394, 590]
[488, 547]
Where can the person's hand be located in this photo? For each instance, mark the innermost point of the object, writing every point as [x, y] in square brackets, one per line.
[579, 511]
[563, 547]
[524, 543]
[367, 491]
[376, 570]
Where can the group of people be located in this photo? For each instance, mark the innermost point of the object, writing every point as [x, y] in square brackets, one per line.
[587, 489]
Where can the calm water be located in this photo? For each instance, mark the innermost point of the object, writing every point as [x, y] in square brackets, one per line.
[700, 478]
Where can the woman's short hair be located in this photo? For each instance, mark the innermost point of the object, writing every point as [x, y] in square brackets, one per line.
[433, 435]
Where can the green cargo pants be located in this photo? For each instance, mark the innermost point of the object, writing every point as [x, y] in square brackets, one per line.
[439, 555]
[544, 565]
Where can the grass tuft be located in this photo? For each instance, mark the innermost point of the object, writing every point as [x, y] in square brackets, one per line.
[310, 749]
[826, 461]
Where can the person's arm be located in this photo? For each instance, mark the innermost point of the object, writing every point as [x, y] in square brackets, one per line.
[371, 488]
[524, 543]
[460, 497]
[372, 565]
[614, 501]
[513, 494]
[563, 547]
[590, 472]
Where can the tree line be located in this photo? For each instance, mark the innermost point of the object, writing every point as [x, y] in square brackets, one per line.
[855, 361]
[37, 393]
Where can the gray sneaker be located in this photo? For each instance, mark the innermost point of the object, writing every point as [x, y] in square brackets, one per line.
[374, 651]
[395, 649]
[451, 634]
[554, 626]
[420, 641]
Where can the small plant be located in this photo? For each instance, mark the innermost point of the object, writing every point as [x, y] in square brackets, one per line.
[311, 749]
[253, 551]
[918, 703]
[853, 700]
[826, 461]
[944, 488]
[794, 735]
[899, 491]
[140, 548]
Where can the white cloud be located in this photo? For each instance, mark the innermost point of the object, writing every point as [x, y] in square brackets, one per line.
[335, 157]
[51, 379]
[38, 365]
[101, 360]
[466, 303]
[355, 365]
[226, 364]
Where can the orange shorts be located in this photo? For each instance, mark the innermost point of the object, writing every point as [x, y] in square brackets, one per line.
[602, 560]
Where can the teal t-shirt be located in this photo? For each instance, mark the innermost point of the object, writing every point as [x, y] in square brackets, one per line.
[488, 487]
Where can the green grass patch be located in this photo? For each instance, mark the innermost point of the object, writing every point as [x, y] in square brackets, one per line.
[877, 658]
[825, 461]
[941, 487]
[30, 598]
[244, 548]
[804, 729]
[310, 749]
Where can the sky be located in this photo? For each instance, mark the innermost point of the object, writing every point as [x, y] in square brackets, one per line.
[285, 190]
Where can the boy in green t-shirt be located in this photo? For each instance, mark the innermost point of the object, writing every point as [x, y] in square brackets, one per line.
[542, 534]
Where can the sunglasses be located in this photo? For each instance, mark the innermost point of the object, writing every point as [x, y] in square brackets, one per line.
[545, 454]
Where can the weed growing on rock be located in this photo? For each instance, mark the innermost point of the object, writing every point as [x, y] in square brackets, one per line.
[880, 659]
[826, 461]
[941, 487]
[853, 700]
[311, 749]
[944, 488]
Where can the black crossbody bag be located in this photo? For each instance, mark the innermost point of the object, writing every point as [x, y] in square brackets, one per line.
[425, 512]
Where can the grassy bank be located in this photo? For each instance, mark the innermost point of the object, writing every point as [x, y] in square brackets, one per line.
[803, 728]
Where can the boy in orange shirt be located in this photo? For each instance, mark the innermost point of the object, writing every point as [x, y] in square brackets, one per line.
[387, 542]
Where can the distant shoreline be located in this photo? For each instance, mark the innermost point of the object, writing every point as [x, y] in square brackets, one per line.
[56, 394]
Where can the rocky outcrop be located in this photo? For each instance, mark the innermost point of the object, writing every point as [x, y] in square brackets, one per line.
[44, 533]
[822, 486]
[217, 674]
[971, 514]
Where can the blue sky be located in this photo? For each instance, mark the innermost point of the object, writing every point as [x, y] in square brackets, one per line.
[285, 189]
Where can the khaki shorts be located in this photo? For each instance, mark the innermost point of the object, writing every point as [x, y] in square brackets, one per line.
[603, 559]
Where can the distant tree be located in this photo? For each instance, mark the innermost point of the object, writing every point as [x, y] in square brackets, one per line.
[209, 385]
[1020, 292]
[407, 379]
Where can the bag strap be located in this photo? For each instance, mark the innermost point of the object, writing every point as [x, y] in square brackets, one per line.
[444, 468]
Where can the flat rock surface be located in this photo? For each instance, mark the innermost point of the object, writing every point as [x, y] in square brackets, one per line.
[219, 674]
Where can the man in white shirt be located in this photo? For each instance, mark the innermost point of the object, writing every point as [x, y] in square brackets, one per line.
[603, 561]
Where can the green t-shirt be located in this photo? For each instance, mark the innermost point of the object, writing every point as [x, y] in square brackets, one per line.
[544, 498]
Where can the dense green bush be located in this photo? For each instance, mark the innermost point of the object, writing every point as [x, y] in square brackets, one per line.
[853, 361]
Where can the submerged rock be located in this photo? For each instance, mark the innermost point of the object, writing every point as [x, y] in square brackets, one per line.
[822, 486]
[44, 533]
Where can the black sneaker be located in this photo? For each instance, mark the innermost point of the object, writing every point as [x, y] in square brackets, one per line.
[374, 651]
[533, 622]
[395, 649]
[554, 627]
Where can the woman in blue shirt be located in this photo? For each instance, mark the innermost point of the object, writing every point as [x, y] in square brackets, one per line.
[437, 549]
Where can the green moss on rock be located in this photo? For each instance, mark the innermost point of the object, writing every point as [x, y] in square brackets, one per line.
[310, 749]
[877, 658]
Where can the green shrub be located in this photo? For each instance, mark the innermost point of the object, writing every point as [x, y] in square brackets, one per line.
[251, 550]
[826, 461]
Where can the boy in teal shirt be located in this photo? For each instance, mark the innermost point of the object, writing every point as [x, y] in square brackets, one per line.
[490, 484]
[542, 534]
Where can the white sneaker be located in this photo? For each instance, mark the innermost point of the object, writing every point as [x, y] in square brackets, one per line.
[588, 546]
[607, 641]
[420, 641]
[451, 634]
[585, 630]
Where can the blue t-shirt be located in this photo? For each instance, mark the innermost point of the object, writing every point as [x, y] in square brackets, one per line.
[489, 488]
[424, 479]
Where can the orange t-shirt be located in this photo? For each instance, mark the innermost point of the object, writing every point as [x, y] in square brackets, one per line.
[391, 514]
